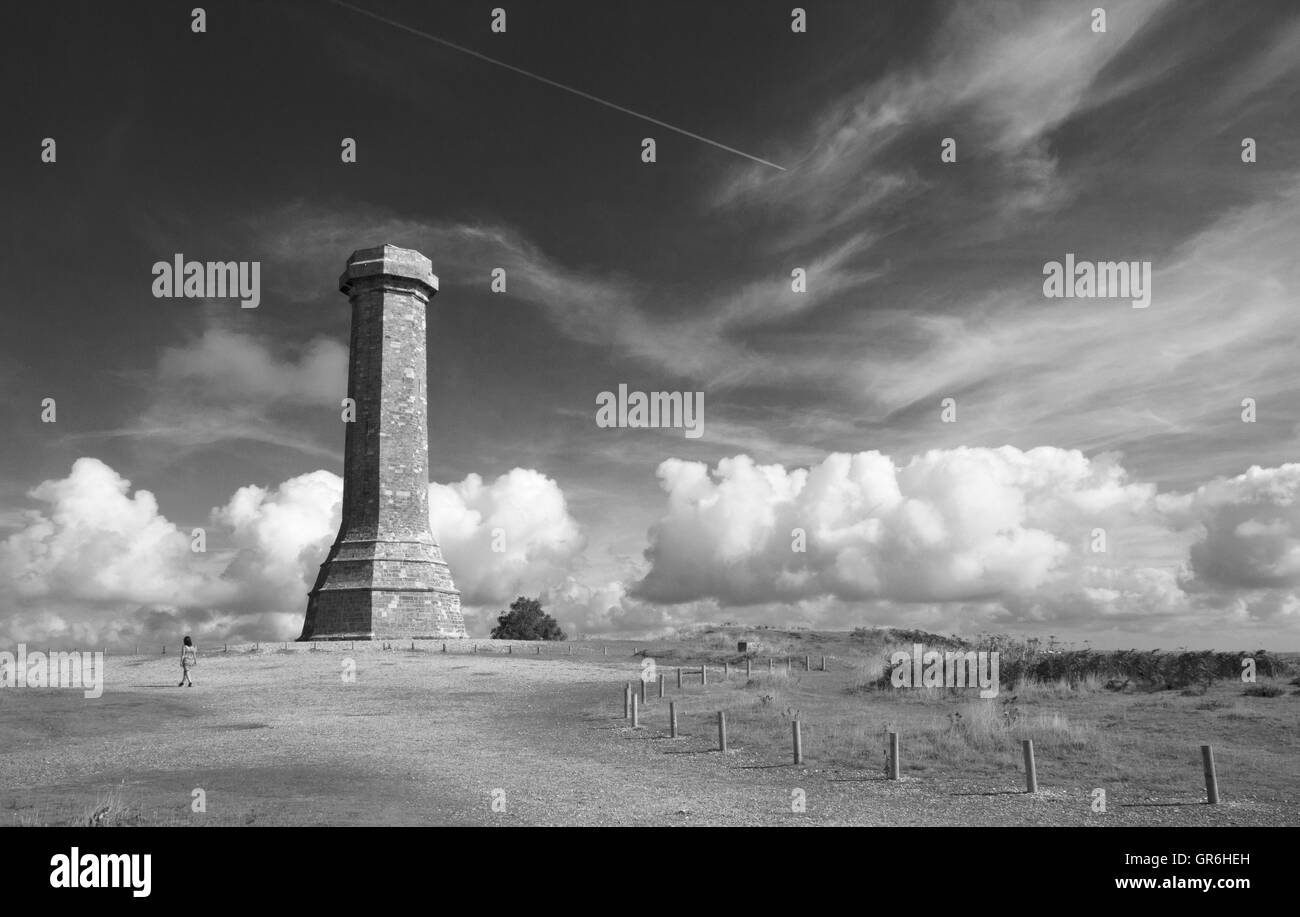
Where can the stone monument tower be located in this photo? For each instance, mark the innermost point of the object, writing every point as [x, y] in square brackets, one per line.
[385, 576]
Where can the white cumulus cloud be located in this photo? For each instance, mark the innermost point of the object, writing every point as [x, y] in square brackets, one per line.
[99, 563]
[505, 538]
[962, 524]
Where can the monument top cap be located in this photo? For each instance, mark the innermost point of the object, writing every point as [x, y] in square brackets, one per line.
[388, 261]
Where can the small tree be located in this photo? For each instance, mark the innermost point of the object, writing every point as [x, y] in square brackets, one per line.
[526, 621]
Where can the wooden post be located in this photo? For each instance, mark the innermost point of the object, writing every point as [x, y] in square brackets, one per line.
[510, 650]
[748, 670]
[797, 734]
[164, 649]
[636, 718]
[726, 670]
[412, 646]
[722, 731]
[679, 676]
[893, 756]
[604, 651]
[661, 686]
[770, 664]
[570, 649]
[704, 674]
[474, 650]
[672, 718]
[137, 649]
[1211, 779]
[1031, 772]
[787, 665]
[643, 690]
[823, 663]
[627, 700]
[444, 647]
[807, 663]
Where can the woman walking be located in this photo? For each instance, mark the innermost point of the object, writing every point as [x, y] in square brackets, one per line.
[189, 659]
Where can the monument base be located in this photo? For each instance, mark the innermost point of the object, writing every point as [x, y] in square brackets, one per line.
[373, 589]
[371, 614]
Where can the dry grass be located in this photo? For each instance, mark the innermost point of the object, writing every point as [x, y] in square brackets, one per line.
[275, 738]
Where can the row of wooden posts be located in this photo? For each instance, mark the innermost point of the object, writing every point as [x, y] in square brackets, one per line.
[704, 669]
[352, 645]
[632, 710]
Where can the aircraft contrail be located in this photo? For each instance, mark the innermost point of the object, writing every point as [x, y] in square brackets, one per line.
[550, 82]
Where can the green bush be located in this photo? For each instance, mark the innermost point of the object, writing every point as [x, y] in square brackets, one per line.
[526, 621]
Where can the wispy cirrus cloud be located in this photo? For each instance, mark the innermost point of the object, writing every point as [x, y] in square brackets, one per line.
[999, 76]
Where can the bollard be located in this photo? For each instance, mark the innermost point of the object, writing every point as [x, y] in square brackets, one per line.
[225, 647]
[444, 647]
[747, 668]
[570, 649]
[604, 651]
[726, 670]
[807, 663]
[661, 686]
[672, 719]
[539, 649]
[893, 756]
[722, 732]
[679, 676]
[627, 700]
[636, 719]
[770, 664]
[643, 690]
[797, 734]
[412, 646]
[1031, 772]
[474, 650]
[164, 649]
[510, 650]
[823, 663]
[1211, 779]
[704, 674]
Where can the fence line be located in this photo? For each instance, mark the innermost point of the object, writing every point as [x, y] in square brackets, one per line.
[893, 765]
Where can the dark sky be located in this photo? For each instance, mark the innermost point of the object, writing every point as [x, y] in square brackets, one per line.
[925, 282]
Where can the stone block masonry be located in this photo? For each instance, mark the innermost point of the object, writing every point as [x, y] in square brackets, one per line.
[385, 575]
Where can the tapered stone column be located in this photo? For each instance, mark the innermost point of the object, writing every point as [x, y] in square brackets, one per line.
[385, 575]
